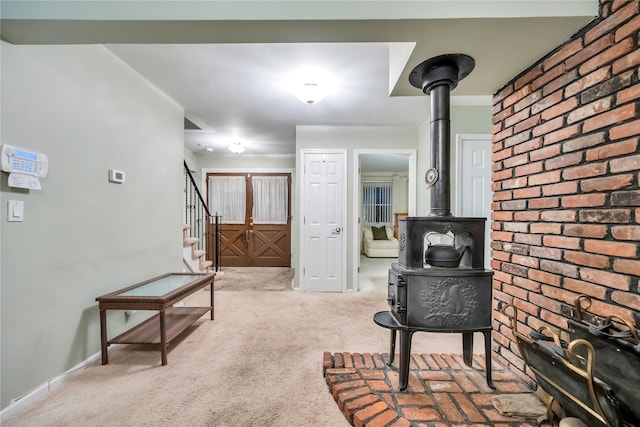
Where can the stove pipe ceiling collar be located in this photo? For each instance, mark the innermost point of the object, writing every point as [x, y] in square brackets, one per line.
[437, 77]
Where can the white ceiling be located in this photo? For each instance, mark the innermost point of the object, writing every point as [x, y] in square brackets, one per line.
[224, 62]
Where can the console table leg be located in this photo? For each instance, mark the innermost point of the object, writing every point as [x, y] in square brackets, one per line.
[103, 337]
[487, 357]
[405, 359]
[467, 348]
[211, 289]
[392, 349]
[163, 338]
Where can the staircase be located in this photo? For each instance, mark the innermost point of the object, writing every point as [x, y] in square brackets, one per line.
[200, 232]
[193, 258]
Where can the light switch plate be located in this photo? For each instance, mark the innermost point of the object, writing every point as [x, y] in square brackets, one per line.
[15, 210]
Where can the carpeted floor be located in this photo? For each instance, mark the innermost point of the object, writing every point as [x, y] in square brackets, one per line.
[255, 279]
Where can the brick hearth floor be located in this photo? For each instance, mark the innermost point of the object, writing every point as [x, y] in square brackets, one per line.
[442, 391]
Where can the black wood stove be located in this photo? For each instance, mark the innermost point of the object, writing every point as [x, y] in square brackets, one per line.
[439, 283]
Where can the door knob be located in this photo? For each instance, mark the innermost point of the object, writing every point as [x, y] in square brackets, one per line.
[338, 229]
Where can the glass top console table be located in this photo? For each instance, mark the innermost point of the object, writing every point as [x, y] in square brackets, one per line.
[159, 294]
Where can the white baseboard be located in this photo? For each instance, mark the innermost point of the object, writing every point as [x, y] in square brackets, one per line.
[40, 391]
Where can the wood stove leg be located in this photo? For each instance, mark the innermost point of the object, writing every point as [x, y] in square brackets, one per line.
[163, 338]
[392, 349]
[467, 348]
[488, 358]
[405, 358]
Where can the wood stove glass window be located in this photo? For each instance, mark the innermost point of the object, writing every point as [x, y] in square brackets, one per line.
[377, 203]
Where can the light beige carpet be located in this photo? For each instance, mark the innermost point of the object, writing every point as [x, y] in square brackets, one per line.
[259, 363]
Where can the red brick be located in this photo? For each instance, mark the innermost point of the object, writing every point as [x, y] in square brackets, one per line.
[584, 200]
[585, 171]
[617, 249]
[422, 414]
[628, 61]
[608, 55]
[501, 155]
[362, 415]
[627, 299]
[528, 169]
[348, 361]
[527, 216]
[589, 110]
[351, 406]
[414, 399]
[590, 260]
[516, 96]
[548, 126]
[627, 95]
[613, 150]
[499, 136]
[327, 361]
[614, 182]
[630, 232]
[610, 23]
[402, 422]
[627, 29]
[545, 228]
[585, 288]
[470, 410]
[561, 135]
[381, 420]
[544, 153]
[607, 119]
[527, 124]
[344, 386]
[583, 142]
[548, 76]
[338, 360]
[527, 284]
[558, 216]
[544, 277]
[624, 130]
[528, 100]
[630, 163]
[563, 161]
[526, 146]
[560, 82]
[560, 188]
[449, 409]
[544, 203]
[544, 178]
[598, 76]
[528, 76]
[378, 385]
[585, 230]
[589, 51]
[548, 253]
[618, 216]
[603, 309]
[348, 395]
[565, 52]
[517, 139]
[561, 242]
[604, 278]
[372, 374]
[546, 103]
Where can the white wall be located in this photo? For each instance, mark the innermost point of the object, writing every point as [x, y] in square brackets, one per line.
[464, 119]
[350, 138]
[82, 236]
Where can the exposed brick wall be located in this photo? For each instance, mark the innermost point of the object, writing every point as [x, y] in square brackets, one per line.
[566, 172]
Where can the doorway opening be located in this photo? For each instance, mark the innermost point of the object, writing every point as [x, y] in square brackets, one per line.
[385, 189]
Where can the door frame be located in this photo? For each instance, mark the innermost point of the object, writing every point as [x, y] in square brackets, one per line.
[355, 226]
[301, 251]
[291, 171]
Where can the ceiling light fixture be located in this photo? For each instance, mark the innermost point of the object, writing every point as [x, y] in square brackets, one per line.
[206, 147]
[237, 147]
[310, 93]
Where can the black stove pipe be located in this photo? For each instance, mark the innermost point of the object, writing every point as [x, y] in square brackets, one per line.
[437, 77]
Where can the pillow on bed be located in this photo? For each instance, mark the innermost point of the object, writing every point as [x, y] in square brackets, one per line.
[379, 233]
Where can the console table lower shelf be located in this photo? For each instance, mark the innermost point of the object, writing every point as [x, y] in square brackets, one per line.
[177, 319]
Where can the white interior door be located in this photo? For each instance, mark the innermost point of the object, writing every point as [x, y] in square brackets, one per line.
[323, 222]
[474, 189]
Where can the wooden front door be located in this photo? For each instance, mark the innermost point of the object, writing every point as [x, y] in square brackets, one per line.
[256, 219]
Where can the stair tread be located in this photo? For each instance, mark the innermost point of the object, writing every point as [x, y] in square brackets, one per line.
[190, 241]
[197, 254]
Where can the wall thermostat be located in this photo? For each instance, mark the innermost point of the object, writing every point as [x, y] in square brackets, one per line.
[116, 176]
